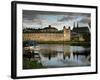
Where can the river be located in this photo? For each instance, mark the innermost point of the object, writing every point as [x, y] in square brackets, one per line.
[59, 55]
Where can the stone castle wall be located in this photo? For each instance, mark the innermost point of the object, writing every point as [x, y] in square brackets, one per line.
[64, 36]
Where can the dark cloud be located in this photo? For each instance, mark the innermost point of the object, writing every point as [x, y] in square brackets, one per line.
[29, 15]
[32, 14]
[85, 20]
[66, 18]
[81, 17]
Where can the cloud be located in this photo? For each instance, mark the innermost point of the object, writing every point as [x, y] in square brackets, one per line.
[66, 18]
[85, 20]
[29, 15]
[74, 17]
[43, 18]
[34, 22]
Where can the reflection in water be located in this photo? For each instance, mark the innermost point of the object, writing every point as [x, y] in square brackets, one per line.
[48, 53]
[57, 55]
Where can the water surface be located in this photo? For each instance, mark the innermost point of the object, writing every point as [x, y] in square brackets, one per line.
[59, 55]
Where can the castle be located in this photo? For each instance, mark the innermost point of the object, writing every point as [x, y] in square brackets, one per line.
[50, 33]
[47, 34]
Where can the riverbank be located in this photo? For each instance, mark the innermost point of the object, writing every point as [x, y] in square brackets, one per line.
[78, 43]
[29, 64]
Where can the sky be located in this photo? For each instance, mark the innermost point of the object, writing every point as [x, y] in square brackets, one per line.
[41, 19]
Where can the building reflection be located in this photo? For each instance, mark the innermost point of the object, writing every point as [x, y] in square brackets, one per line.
[71, 54]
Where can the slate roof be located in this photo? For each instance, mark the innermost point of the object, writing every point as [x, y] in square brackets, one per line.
[81, 30]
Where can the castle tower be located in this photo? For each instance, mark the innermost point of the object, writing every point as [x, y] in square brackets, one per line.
[66, 33]
[77, 24]
[49, 26]
[69, 27]
[74, 25]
